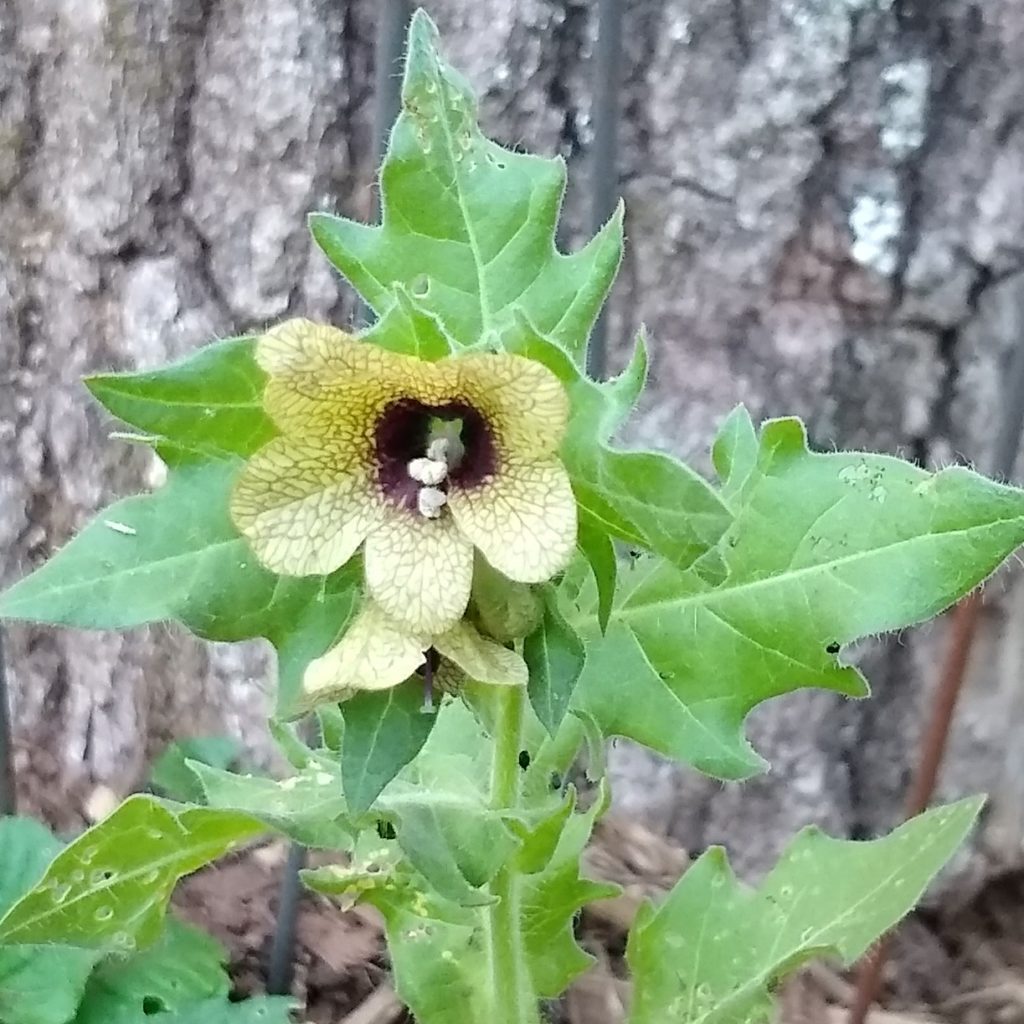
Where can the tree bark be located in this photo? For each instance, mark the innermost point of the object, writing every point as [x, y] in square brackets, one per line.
[823, 218]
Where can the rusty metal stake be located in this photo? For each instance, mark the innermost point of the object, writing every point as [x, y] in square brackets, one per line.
[962, 632]
[933, 746]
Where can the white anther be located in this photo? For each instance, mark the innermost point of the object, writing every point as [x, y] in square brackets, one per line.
[438, 450]
[430, 501]
[428, 471]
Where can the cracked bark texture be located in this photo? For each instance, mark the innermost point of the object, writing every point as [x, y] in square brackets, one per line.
[824, 217]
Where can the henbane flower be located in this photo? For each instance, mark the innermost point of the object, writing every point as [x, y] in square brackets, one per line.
[419, 462]
[376, 654]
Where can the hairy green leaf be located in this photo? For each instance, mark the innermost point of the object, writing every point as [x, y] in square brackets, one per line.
[466, 225]
[307, 806]
[410, 329]
[554, 655]
[599, 551]
[551, 899]
[211, 401]
[826, 549]
[437, 945]
[109, 889]
[439, 807]
[384, 731]
[39, 984]
[183, 966]
[711, 951]
[446, 828]
[735, 451]
[171, 775]
[541, 838]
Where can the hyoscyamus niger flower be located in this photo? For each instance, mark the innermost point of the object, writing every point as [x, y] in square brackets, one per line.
[417, 462]
[375, 654]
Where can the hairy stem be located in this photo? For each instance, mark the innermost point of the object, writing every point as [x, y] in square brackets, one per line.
[510, 984]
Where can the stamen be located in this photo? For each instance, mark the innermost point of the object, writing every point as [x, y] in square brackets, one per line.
[430, 501]
[428, 471]
[437, 450]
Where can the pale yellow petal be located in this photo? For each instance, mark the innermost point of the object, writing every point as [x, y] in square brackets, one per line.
[419, 570]
[523, 401]
[523, 520]
[374, 654]
[481, 659]
[324, 383]
[303, 508]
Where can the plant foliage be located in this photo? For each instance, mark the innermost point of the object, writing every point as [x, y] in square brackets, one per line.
[688, 603]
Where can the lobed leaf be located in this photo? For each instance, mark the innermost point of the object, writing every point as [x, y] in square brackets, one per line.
[435, 945]
[446, 828]
[734, 452]
[467, 226]
[550, 901]
[711, 951]
[825, 549]
[439, 808]
[410, 329]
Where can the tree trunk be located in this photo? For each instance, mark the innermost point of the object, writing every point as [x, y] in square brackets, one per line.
[823, 218]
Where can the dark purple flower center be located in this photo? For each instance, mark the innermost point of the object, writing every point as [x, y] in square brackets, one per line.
[406, 428]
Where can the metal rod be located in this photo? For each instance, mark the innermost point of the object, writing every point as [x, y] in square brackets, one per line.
[390, 43]
[604, 156]
[281, 966]
[392, 26]
[8, 792]
[963, 630]
[281, 963]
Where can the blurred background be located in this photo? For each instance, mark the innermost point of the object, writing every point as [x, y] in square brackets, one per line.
[824, 217]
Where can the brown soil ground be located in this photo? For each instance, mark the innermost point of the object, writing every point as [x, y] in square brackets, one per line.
[966, 968]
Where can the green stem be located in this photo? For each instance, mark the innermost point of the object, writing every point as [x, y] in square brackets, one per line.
[558, 753]
[510, 984]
